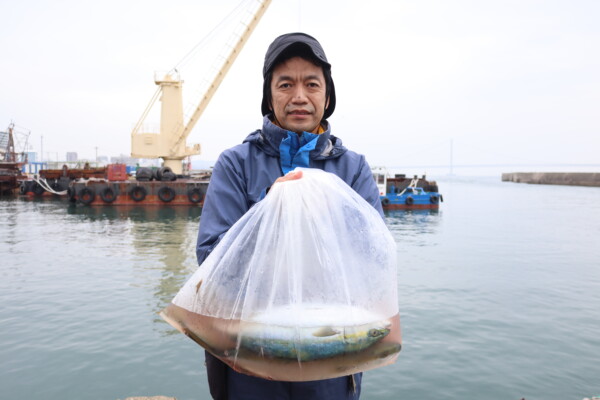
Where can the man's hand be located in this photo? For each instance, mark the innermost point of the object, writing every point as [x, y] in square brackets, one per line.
[290, 176]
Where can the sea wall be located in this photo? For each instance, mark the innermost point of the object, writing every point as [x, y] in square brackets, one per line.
[554, 178]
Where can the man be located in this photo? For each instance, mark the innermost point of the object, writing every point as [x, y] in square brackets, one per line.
[298, 97]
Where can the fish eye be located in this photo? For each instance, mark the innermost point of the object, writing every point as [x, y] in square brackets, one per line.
[373, 332]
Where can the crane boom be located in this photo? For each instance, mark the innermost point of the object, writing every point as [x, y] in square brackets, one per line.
[170, 143]
[235, 51]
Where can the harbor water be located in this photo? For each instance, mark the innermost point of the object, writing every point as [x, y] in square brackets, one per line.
[499, 298]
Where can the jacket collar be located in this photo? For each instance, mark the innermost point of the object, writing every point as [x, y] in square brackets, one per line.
[271, 135]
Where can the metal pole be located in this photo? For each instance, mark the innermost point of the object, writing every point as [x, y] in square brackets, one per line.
[451, 156]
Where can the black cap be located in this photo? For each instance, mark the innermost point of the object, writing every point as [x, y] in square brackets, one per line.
[281, 44]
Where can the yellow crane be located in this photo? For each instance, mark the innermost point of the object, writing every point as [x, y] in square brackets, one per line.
[170, 143]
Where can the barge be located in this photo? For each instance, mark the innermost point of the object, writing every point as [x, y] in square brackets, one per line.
[10, 177]
[11, 163]
[399, 192]
[111, 185]
[186, 192]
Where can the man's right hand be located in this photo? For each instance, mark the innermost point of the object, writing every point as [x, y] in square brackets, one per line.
[290, 176]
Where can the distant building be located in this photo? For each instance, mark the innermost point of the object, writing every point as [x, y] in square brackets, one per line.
[102, 160]
[123, 159]
[71, 156]
[149, 162]
[31, 156]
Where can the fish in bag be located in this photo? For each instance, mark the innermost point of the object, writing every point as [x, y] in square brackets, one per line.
[302, 287]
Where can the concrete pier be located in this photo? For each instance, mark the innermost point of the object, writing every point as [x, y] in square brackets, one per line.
[554, 178]
[151, 398]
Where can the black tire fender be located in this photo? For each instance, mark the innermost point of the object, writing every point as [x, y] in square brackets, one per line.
[143, 174]
[166, 194]
[37, 189]
[165, 174]
[87, 195]
[195, 195]
[108, 195]
[138, 193]
[72, 194]
[409, 201]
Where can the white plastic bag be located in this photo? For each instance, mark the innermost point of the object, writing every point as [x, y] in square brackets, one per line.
[302, 287]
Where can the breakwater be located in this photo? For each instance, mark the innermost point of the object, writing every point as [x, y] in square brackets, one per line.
[554, 178]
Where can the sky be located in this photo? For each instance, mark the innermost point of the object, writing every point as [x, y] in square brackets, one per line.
[421, 85]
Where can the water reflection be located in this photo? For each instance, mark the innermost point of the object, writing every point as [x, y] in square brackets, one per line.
[9, 217]
[419, 220]
[172, 249]
[135, 213]
[162, 242]
[413, 226]
[163, 239]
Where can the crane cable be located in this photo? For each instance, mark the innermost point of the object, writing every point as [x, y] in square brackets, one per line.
[206, 38]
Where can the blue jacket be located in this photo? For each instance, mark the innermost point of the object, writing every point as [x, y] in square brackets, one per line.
[244, 172]
[240, 179]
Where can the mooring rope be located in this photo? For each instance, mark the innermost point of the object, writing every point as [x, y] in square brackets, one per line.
[44, 184]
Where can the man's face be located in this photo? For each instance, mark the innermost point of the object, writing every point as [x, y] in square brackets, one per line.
[298, 95]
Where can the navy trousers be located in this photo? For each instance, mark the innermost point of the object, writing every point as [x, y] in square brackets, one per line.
[226, 384]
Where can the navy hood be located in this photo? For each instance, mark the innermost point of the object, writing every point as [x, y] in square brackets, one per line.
[291, 42]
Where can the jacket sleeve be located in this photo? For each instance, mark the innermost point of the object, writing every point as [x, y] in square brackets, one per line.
[365, 185]
[225, 202]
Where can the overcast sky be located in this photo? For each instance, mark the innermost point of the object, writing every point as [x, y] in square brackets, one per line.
[506, 82]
